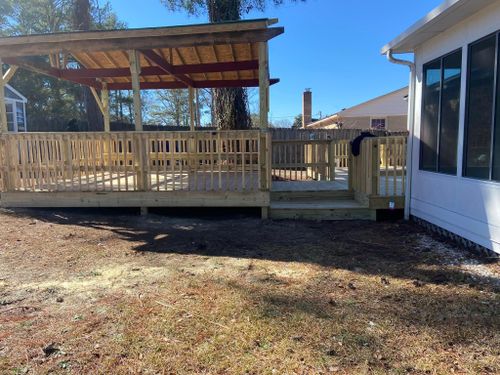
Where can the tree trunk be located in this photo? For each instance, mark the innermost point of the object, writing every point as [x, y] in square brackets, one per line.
[81, 22]
[230, 105]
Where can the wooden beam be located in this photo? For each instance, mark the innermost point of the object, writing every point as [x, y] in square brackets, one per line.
[135, 70]
[198, 109]
[191, 109]
[3, 110]
[157, 71]
[51, 72]
[197, 84]
[167, 68]
[35, 46]
[97, 99]
[10, 73]
[105, 107]
[264, 139]
[161, 32]
[264, 85]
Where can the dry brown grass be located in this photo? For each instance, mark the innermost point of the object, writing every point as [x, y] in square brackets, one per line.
[162, 295]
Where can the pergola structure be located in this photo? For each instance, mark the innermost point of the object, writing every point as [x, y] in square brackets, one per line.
[189, 168]
[233, 54]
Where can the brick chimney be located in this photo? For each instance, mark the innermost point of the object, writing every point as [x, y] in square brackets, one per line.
[306, 108]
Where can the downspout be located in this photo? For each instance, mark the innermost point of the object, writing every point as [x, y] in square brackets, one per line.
[411, 127]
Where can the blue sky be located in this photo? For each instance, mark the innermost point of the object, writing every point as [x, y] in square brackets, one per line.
[330, 46]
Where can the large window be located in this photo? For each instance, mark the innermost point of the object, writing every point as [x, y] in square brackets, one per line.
[440, 114]
[482, 138]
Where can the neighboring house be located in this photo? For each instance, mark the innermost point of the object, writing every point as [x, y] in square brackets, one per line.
[454, 145]
[15, 104]
[386, 112]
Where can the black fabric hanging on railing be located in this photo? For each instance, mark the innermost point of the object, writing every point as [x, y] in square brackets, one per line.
[356, 142]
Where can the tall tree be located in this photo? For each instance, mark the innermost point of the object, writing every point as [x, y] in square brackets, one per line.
[52, 103]
[171, 107]
[230, 105]
[82, 22]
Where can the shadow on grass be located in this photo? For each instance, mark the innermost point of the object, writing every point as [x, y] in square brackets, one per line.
[384, 249]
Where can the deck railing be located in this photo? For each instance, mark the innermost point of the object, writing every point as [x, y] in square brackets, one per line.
[134, 161]
[300, 160]
[380, 169]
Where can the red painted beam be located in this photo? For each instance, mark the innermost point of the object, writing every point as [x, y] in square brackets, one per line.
[157, 71]
[197, 84]
[168, 68]
[52, 72]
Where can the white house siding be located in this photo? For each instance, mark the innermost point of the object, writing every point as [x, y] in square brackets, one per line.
[465, 206]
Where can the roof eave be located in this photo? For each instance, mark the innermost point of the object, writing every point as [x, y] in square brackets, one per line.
[435, 22]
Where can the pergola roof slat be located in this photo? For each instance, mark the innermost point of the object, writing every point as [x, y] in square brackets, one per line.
[209, 55]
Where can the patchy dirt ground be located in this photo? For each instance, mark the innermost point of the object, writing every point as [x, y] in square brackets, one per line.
[87, 292]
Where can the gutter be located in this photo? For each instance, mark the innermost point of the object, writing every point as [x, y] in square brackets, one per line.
[411, 127]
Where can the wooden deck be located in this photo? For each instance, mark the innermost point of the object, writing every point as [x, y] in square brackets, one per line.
[299, 179]
[391, 185]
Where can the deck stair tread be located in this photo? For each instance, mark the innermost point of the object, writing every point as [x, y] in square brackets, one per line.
[321, 205]
[324, 209]
[298, 196]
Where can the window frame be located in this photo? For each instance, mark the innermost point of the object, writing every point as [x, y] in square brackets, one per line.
[439, 59]
[496, 34]
[378, 118]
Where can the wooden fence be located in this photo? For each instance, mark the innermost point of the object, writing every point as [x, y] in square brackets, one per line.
[134, 161]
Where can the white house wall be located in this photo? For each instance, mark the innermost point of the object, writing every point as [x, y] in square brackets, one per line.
[467, 207]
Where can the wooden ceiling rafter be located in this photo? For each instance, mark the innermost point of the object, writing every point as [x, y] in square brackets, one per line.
[112, 62]
[168, 68]
[233, 54]
[214, 50]
[199, 56]
[200, 61]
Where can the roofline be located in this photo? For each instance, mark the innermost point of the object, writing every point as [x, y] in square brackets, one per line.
[337, 114]
[240, 32]
[24, 99]
[430, 17]
[251, 24]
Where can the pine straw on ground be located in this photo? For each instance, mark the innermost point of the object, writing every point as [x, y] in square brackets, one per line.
[87, 292]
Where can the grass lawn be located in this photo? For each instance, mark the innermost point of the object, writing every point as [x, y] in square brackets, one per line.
[90, 292]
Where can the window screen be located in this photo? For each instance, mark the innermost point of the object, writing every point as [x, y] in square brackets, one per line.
[440, 114]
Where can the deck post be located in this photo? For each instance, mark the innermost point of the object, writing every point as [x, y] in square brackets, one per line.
[331, 160]
[135, 71]
[105, 107]
[198, 110]
[375, 165]
[350, 168]
[264, 152]
[3, 110]
[191, 109]
[192, 144]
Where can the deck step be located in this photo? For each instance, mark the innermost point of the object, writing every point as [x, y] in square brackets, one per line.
[307, 196]
[325, 210]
